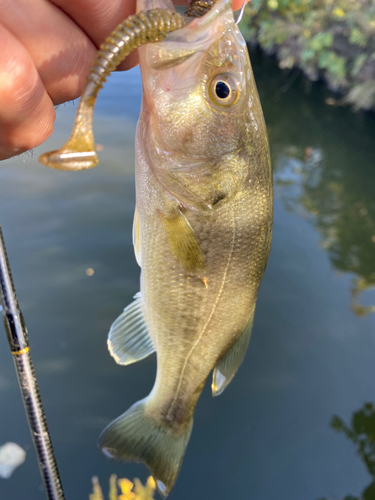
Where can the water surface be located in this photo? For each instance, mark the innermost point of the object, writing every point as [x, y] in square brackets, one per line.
[270, 435]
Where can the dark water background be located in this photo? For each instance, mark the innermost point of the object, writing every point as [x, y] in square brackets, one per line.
[270, 436]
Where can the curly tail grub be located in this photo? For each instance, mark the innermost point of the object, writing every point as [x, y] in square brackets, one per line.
[146, 27]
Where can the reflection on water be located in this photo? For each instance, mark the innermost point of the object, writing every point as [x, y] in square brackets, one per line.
[362, 433]
[324, 164]
[343, 214]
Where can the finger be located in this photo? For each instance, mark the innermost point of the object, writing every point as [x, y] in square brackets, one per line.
[61, 51]
[237, 4]
[98, 18]
[26, 111]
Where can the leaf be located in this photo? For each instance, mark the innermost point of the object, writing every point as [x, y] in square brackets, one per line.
[338, 12]
[113, 487]
[357, 38]
[321, 41]
[359, 61]
[97, 493]
[307, 55]
[139, 492]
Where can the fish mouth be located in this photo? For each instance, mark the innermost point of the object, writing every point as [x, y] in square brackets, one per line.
[198, 35]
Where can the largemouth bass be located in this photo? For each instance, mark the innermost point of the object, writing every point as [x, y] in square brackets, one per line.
[202, 232]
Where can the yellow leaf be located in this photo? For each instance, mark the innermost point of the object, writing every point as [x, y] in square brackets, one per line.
[97, 493]
[273, 4]
[140, 492]
[128, 496]
[338, 12]
[113, 487]
[144, 492]
[125, 485]
[151, 481]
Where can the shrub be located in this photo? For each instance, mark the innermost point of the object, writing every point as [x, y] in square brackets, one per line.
[329, 39]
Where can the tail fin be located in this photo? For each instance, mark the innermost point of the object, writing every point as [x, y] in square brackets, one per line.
[134, 436]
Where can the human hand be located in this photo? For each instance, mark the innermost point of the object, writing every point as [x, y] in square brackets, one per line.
[47, 48]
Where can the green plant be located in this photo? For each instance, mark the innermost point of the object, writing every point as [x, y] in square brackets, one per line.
[329, 39]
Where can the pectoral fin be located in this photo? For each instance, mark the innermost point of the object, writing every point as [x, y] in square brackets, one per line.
[137, 236]
[128, 338]
[229, 363]
[183, 242]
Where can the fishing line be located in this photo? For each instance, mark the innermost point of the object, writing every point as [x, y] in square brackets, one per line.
[20, 348]
[240, 15]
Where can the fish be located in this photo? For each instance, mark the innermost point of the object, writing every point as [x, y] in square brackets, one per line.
[202, 232]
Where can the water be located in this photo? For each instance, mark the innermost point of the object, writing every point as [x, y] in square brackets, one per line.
[311, 357]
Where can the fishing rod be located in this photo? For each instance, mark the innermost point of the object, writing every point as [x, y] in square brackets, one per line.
[19, 346]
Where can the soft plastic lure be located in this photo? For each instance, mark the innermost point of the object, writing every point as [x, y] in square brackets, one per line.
[146, 27]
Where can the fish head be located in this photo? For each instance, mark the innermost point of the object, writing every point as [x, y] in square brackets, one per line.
[196, 86]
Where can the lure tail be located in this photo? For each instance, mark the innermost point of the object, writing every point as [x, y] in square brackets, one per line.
[134, 436]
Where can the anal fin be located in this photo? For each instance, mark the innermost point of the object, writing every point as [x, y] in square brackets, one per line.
[229, 363]
[128, 338]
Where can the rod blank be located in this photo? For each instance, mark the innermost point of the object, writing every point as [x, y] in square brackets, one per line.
[19, 345]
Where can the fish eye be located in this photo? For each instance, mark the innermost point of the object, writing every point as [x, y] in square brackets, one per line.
[224, 89]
